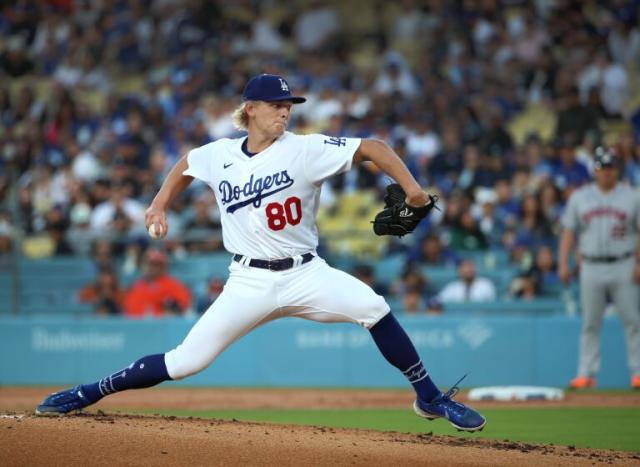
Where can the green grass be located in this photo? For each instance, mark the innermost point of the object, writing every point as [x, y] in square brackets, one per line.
[608, 428]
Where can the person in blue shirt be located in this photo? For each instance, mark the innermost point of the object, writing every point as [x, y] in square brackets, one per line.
[430, 250]
[567, 171]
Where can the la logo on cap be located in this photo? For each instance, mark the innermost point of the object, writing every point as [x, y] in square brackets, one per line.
[269, 88]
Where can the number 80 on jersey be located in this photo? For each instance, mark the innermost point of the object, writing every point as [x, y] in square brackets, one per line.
[279, 215]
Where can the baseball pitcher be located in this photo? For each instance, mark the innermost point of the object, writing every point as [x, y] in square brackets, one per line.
[268, 186]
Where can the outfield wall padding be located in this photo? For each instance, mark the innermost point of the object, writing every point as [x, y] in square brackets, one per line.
[294, 352]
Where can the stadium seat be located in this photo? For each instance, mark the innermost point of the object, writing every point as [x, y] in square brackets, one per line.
[390, 268]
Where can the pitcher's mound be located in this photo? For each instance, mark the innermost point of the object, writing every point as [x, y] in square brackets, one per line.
[109, 440]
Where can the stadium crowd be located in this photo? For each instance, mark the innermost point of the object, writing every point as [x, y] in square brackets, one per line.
[98, 99]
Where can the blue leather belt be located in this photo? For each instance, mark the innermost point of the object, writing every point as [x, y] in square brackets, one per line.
[272, 265]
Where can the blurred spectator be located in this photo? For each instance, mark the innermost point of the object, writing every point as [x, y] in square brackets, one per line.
[567, 172]
[535, 159]
[507, 206]
[203, 231]
[79, 235]
[543, 274]
[412, 164]
[434, 306]
[118, 212]
[496, 143]
[157, 293]
[533, 223]
[214, 289]
[134, 255]
[366, 273]
[14, 61]
[448, 162]
[610, 79]
[433, 252]
[629, 152]
[315, 26]
[85, 166]
[56, 225]
[416, 293]
[413, 302]
[466, 234]
[575, 120]
[485, 211]
[102, 254]
[475, 170]
[541, 78]
[6, 234]
[468, 287]
[423, 143]
[530, 42]
[624, 43]
[102, 97]
[550, 205]
[523, 287]
[412, 280]
[105, 294]
[395, 78]
[519, 246]
[217, 119]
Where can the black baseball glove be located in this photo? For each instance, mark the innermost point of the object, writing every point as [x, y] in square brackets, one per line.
[397, 217]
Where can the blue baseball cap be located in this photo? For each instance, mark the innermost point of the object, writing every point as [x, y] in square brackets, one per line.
[269, 88]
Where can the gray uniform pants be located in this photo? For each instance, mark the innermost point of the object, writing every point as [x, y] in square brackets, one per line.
[596, 279]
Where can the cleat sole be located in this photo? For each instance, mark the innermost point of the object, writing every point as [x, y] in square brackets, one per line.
[53, 413]
[470, 430]
[430, 417]
[47, 413]
[422, 414]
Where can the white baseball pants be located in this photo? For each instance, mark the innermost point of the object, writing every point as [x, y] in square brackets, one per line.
[253, 296]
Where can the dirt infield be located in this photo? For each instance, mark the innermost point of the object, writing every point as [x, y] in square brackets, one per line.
[103, 438]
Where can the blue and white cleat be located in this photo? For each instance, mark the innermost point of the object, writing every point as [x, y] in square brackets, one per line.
[63, 402]
[443, 406]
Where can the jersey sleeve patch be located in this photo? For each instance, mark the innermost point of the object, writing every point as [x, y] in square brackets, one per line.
[328, 155]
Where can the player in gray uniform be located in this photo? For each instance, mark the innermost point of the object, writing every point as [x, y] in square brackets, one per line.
[605, 216]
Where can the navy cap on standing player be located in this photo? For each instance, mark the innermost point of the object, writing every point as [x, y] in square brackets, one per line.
[269, 88]
[605, 158]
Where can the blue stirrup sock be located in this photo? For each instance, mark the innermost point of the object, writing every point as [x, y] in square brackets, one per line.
[143, 373]
[397, 348]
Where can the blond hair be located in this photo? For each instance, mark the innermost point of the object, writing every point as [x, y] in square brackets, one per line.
[240, 117]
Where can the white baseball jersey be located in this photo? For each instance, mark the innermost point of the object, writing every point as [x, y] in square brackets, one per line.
[607, 224]
[269, 201]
